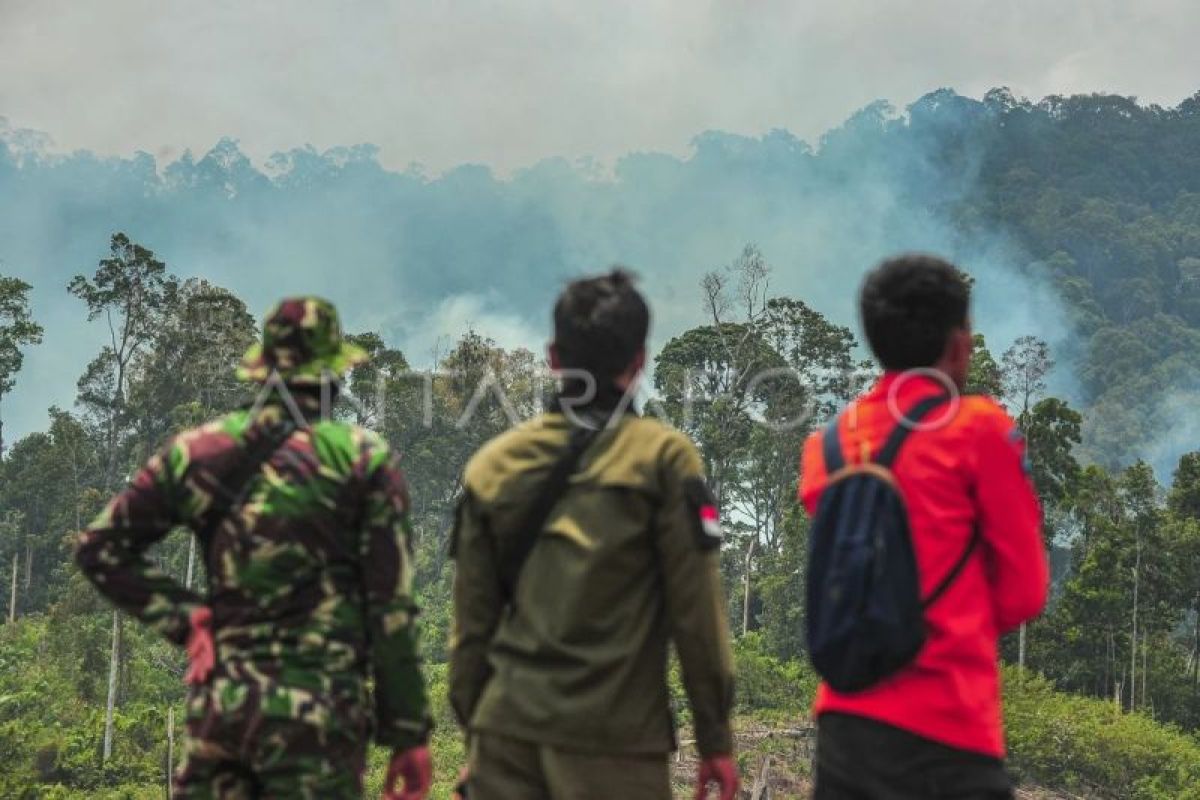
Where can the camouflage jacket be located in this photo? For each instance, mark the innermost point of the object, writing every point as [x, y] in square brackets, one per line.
[309, 579]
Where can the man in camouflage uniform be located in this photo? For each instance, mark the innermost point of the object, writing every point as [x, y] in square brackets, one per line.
[309, 579]
[561, 680]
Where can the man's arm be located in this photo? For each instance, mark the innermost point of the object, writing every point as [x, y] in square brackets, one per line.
[477, 607]
[1011, 523]
[401, 704]
[111, 551]
[688, 539]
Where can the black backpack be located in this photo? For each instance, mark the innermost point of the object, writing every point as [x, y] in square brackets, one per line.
[865, 616]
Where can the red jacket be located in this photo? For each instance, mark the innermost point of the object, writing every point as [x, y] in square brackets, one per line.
[970, 470]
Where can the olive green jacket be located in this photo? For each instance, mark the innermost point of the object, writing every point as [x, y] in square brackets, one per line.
[625, 564]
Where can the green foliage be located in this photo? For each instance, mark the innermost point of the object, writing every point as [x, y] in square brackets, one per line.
[784, 688]
[1052, 431]
[17, 330]
[984, 377]
[1085, 745]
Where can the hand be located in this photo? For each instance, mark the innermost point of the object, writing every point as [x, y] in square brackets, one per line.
[460, 788]
[719, 770]
[201, 651]
[415, 766]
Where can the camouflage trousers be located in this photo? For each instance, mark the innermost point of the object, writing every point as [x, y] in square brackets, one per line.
[249, 741]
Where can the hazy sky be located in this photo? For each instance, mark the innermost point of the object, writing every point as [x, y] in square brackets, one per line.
[507, 83]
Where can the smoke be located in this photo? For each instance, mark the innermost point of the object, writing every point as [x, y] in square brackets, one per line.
[421, 258]
[509, 83]
[1179, 433]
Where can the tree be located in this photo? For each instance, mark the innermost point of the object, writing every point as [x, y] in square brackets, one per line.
[748, 386]
[184, 374]
[984, 376]
[709, 379]
[1052, 430]
[10, 526]
[1023, 370]
[1183, 502]
[17, 330]
[134, 293]
[1150, 602]
[374, 382]
[1184, 499]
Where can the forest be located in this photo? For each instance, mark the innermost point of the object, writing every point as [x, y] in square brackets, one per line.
[1097, 201]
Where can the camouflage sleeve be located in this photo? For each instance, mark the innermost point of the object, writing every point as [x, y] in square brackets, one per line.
[689, 539]
[111, 552]
[477, 608]
[401, 705]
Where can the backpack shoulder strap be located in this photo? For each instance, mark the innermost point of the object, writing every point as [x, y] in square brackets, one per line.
[888, 455]
[513, 558]
[958, 567]
[832, 447]
[907, 424]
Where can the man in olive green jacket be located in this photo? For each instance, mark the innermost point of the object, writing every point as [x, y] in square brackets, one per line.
[564, 689]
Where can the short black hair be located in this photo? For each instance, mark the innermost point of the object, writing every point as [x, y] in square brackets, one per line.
[909, 306]
[600, 323]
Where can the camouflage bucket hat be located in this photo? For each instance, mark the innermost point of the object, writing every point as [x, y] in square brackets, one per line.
[302, 342]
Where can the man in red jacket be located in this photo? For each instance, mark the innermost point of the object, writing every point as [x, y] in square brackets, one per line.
[934, 729]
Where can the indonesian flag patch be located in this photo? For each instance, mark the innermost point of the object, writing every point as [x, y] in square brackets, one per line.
[702, 506]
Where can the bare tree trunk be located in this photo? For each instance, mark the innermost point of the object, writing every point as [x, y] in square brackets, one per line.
[1109, 666]
[746, 586]
[1196, 651]
[75, 482]
[28, 567]
[114, 662]
[1145, 663]
[1133, 638]
[191, 562]
[12, 598]
[1021, 646]
[170, 747]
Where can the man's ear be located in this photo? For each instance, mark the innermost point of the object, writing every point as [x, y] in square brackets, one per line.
[966, 343]
[639, 361]
[631, 372]
[552, 356]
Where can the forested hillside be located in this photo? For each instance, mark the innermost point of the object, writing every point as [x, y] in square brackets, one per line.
[1079, 217]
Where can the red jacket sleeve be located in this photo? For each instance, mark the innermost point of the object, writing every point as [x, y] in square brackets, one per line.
[812, 473]
[1011, 522]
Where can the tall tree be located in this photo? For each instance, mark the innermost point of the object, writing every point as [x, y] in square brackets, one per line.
[17, 330]
[133, 292]
[1184, 504]
[984, 376]
[748, 386]
[1052, 431]
[381, 378]
[1023, 370]
[185, 372]
[1184, 499]
[10, 531]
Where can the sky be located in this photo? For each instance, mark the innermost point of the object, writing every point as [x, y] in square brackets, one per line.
[507, 84]
[512, 85]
